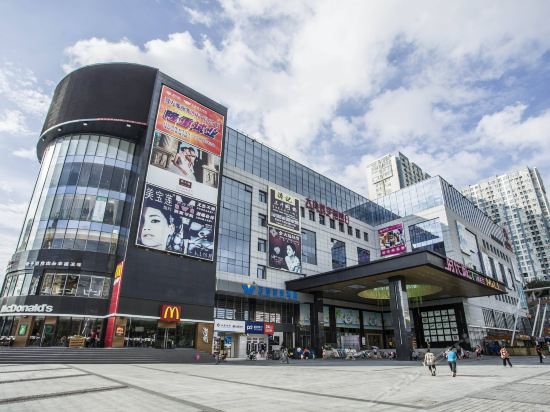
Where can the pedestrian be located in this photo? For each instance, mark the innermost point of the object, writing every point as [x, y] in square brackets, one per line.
[451, 359]
[429, 361]
[284, 355]
[538, 348]
[478, 352]
[505, 356]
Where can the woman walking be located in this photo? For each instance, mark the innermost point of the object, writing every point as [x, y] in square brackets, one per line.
[505, 356]
[429, 361]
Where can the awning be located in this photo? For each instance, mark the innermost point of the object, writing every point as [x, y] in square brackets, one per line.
[428, 276]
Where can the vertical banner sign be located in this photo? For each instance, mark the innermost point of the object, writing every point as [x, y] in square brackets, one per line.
[113, 304]
[285, 242]
[285, 250]
[284, 211]
[392, 241]
[181, 188]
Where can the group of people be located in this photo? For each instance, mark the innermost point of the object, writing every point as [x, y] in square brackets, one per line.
[452, 356]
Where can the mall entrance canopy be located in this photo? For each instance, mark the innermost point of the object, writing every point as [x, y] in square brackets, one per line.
[417, 275]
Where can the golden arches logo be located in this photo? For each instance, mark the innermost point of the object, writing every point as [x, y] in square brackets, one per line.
[170, 312]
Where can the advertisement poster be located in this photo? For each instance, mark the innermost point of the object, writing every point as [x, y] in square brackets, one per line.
[184, 168]
[372, 320]
[181, 187]
[392, 241]
[284, 211]
[285, 250]
[185, 119]
[175, 223]
[347, 318]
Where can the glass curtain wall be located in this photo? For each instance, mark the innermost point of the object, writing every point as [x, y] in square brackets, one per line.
[81, 194]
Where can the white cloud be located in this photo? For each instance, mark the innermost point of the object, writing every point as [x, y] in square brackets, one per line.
[199, 17]
[11, 220]
[12, 121]
[511, 129]
[287, 69]
[20, 87]
[26, 153]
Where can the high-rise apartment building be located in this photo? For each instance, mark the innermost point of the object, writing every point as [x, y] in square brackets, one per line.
[517, 201]
[392, 173]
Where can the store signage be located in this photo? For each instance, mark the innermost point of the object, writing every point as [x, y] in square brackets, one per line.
[284, 210]
[263, 291]
[255, 328]
[269, 328]
[40, 308]
[459, 269]
[170, 313]
[328, 211]
[224, 325]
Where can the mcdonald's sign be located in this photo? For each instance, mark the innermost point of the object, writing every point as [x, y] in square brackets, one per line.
[170, 313]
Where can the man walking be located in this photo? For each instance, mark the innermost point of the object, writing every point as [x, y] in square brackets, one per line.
[505, 356]
[538, 348]
[451, 359]
[429, 361]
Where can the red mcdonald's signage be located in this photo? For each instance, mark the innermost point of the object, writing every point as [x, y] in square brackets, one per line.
[269, 328]
[170, 313]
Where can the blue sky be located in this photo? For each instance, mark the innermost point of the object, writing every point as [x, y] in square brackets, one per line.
[461, 88]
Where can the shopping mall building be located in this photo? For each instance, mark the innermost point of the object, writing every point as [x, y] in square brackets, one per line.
[152, 223]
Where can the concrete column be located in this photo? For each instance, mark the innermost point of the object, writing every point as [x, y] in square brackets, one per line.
[317, 324]
[399, 306]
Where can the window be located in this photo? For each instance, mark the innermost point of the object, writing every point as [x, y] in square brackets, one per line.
[321, 219]
[302, 211]
[312, 215]
[262, 245]
[338, 252]
[47, 284]
[261, 272]
[357, 233]
[262, 220]
[365, 236]
[309, 247]
[350, 230]
[427, 236]
[332, 224]
[262, 196]
[341, 227]
[363, 255]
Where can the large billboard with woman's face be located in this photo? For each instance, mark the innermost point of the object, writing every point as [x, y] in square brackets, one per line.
[285, 250]
[179, 207]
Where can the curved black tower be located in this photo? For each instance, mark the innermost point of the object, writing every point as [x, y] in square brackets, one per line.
[83, 216]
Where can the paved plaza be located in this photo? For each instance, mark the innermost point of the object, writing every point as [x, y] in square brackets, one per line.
[318, 385]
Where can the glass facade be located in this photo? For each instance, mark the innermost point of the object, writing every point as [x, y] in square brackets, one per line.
[338, 254]
[309, 247]
[427, 236]
[81, 195]
[235, 227]
[253, 157]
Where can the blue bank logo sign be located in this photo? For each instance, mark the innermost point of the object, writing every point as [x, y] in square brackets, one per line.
[265, 292]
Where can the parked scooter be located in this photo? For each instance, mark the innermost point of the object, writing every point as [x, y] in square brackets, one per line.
[252, 355]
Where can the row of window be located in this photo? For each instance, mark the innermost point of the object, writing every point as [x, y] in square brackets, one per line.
[255, 158]
[262, 219]
[57, 284]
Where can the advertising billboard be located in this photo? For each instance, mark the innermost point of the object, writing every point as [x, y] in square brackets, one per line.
[187, 120]
[392, 241]
[347, 318]
[372, 320]
[284, 211]
[178, 213]
[285, 250]
[171, 222]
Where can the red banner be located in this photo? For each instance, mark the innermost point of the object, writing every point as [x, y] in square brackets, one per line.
[269, 328]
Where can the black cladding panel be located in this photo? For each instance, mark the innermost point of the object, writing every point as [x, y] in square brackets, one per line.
[114, 91]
